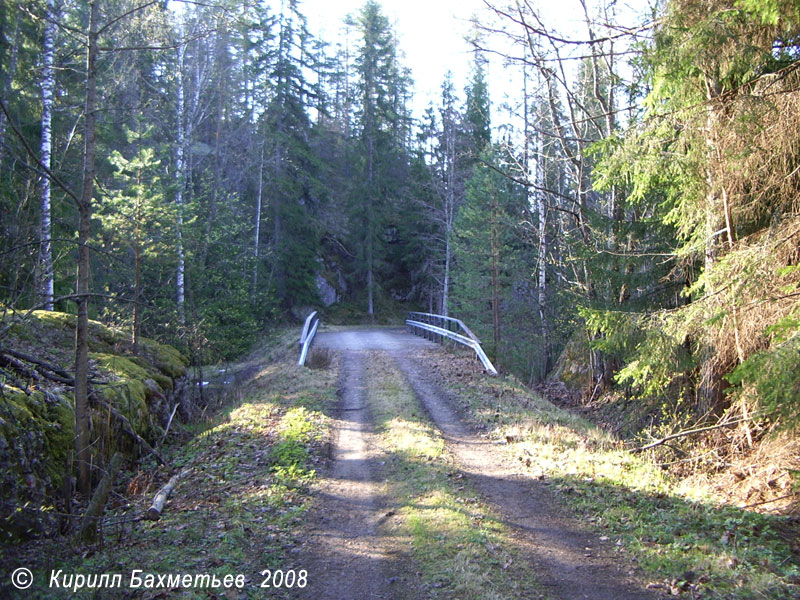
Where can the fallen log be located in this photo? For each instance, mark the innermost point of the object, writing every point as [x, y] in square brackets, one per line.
[16, 365]
[47, 370]
[88, 532]
[62, 375]
[155, 510]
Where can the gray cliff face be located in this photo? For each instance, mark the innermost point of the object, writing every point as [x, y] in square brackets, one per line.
[327, 293]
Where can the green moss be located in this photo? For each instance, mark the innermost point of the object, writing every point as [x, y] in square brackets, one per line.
[129, 397]
[59, 435]
[168, 360]
[16, 402]
[37, 430]
[106, 335]
[22, 332]
[49, 423]
[101, 337]
[163, 381]
[573, 367]
[56, 319]
[121, 366]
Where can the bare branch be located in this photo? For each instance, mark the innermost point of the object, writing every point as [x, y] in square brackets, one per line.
[33, 155]
[688, 432]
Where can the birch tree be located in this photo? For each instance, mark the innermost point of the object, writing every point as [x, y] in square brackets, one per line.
[581, 111]
[48, 88]
[180, 182]
[448, 182]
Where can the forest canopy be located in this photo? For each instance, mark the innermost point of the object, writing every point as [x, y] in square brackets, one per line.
[215, 171]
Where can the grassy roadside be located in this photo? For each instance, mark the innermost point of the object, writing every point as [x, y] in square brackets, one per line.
[461, 549]
[238, 509]
[684, 541]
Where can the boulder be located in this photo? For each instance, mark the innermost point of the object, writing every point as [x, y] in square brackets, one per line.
[573, 367]
[327, 293]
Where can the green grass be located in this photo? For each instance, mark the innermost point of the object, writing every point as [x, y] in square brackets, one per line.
[682, 538]
[461, 548]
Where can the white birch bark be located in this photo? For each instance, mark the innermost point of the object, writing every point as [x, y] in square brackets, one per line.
[180, 175]
[541, 209]
[450, 213]
[48, 87]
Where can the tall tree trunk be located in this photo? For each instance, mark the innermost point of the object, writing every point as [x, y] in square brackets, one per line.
[277, 220]
[137, 262]
[180, 176]
[449, 209]
[539, 176]
[542, 291]
[710, 379]
[370, 228]
[541, 209]
[257, 235]
[82, 440]
[8, 78]
[711, 383]
[448, 252]
[48, 85]
[221, 59]
[495, 250]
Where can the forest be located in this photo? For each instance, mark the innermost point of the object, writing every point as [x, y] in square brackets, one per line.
[627, 224]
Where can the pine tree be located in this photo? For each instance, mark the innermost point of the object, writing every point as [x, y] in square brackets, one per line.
[136, 212]
[477, 112]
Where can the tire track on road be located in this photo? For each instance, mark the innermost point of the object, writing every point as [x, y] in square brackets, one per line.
[570, 563]
[344, 552]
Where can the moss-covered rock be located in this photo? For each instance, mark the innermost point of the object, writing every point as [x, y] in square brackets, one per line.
[166, 358]
[164, 382]
[573, 367]
[36, 435]
[60, 433]
[102, 338]
[129, 397]
[44, 418]
[37, 429]
[121, 366]
[136, 387]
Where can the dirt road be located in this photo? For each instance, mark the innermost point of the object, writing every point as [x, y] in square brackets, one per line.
[353, 555]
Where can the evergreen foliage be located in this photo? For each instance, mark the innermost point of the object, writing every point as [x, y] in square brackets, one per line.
[716, 152]
[490, 276]
[244, 169]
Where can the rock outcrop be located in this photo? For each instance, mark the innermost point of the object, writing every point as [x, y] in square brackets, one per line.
[37, 421]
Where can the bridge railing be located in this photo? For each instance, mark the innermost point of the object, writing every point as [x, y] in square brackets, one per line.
[437, 327]
[307, 336]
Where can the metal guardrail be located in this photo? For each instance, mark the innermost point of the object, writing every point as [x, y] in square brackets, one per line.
[436, 327]
[307, 336]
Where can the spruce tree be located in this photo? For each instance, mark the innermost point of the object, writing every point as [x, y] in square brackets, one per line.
[382, 128]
